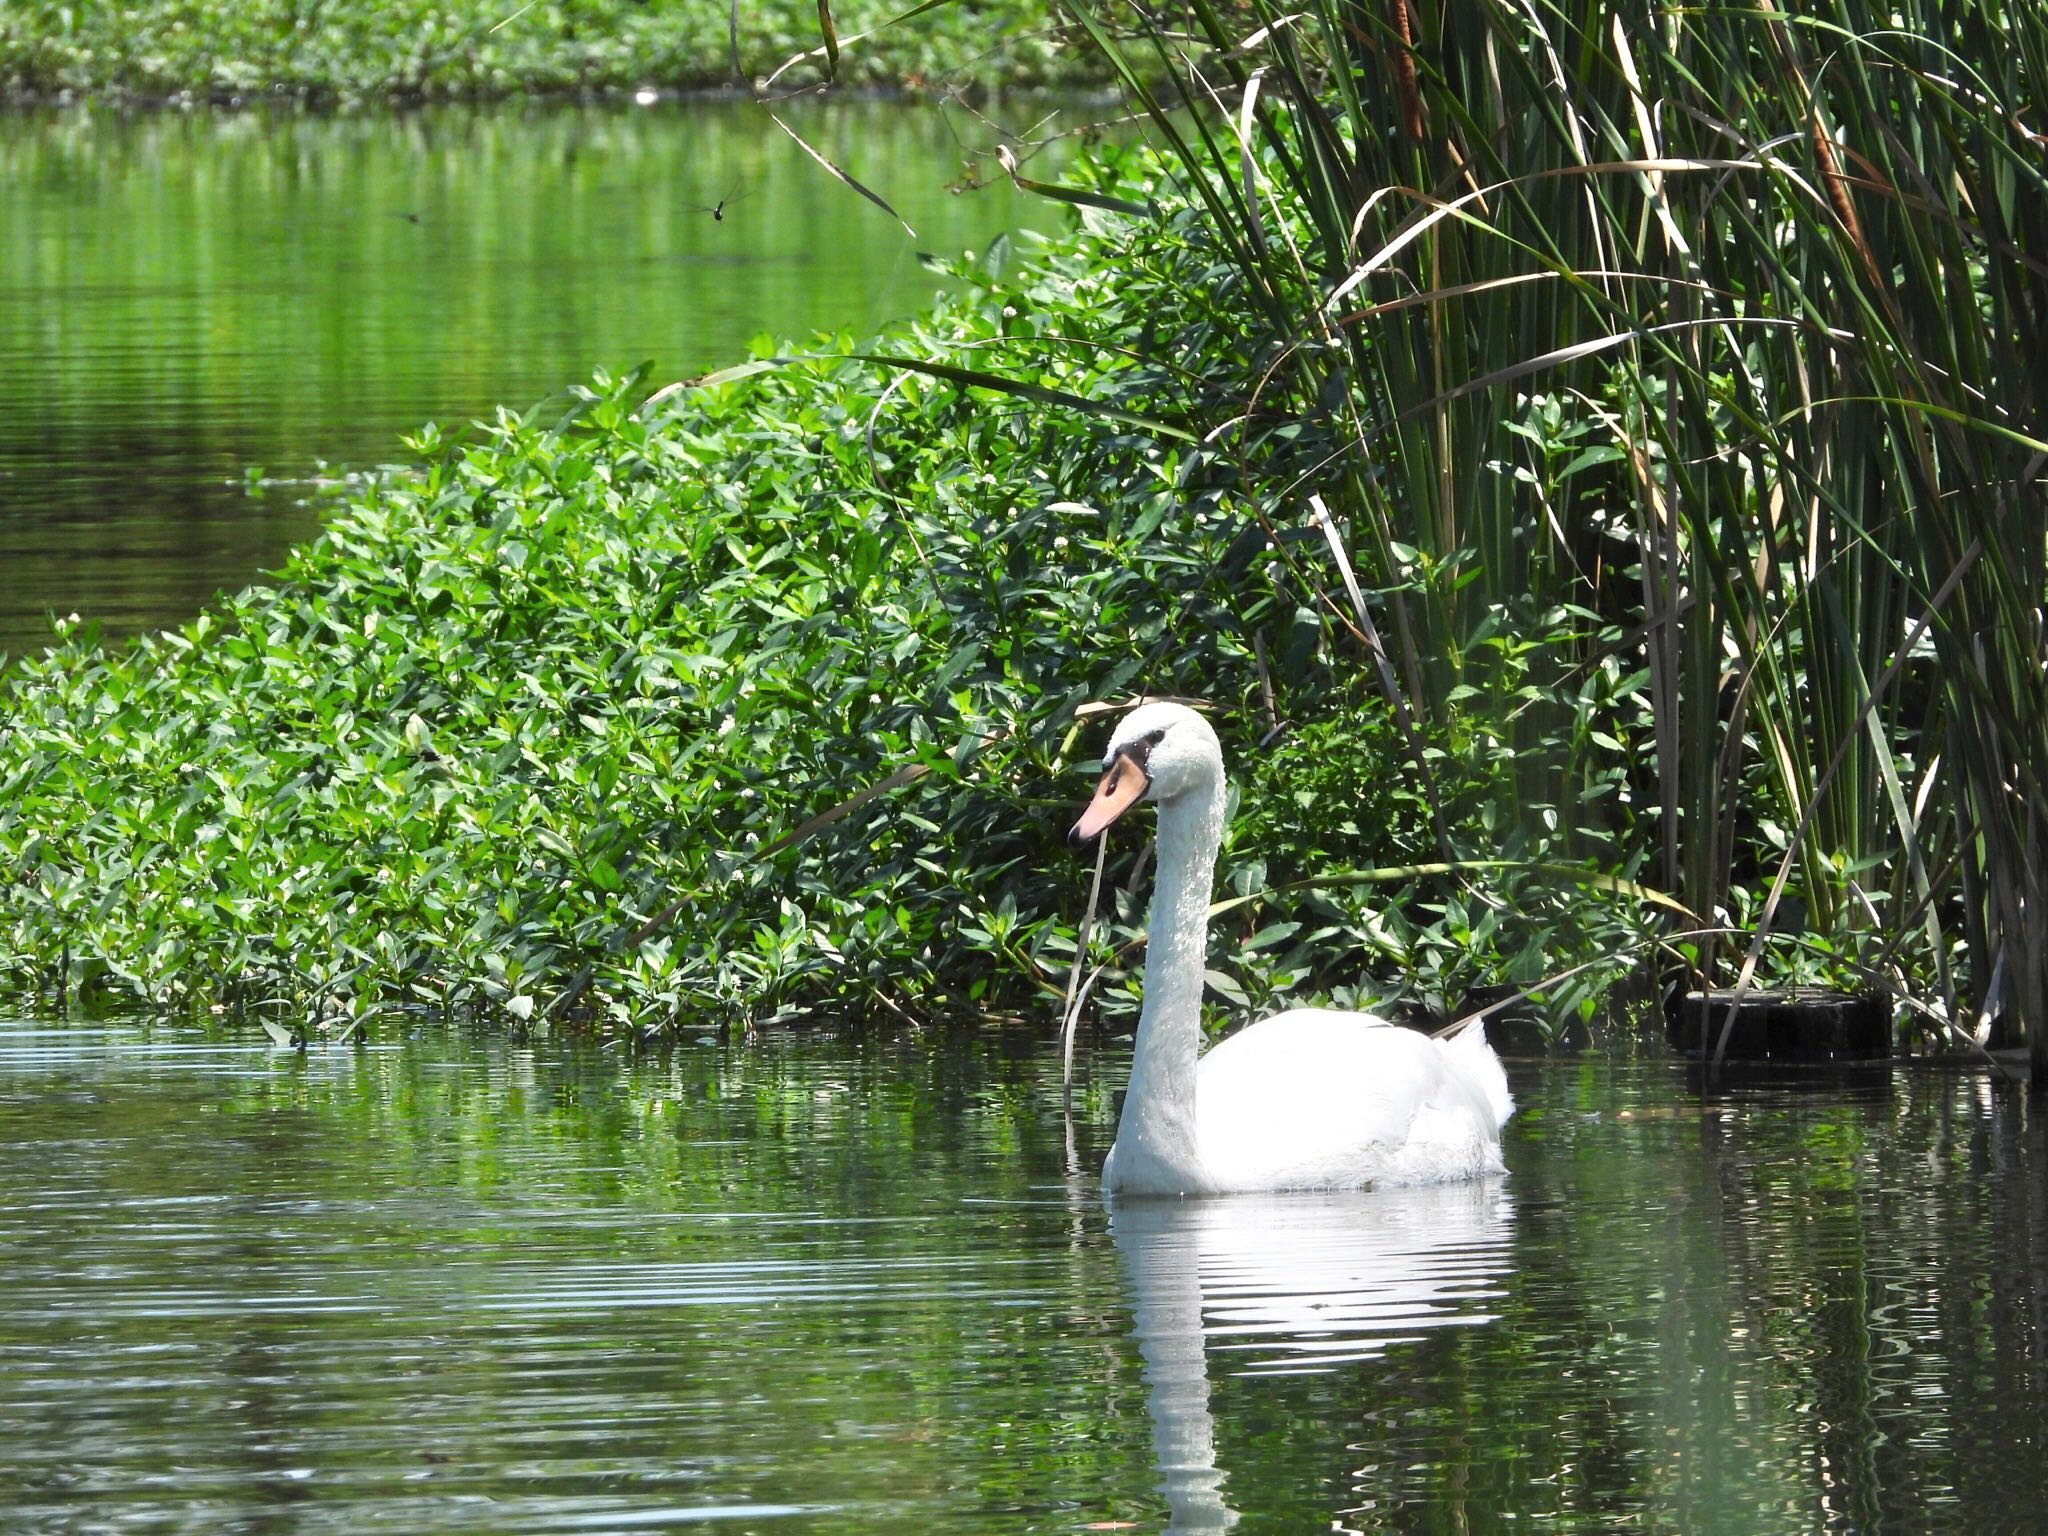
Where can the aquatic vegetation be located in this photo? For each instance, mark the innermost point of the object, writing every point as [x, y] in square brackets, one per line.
[1685, 372]
[443, 48]
[747, 701]
[605, 660]
[1623, 486]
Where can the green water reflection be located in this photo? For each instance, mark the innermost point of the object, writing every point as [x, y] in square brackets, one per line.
[813, 1286]
[185, 296]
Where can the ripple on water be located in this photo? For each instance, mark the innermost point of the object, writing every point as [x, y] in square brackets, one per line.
[294, 291]
[444, 1285]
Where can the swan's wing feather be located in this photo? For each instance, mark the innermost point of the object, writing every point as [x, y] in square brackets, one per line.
[1291, 1073]
[1319, 1097]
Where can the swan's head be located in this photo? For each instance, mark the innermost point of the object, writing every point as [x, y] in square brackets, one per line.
[1159, 752]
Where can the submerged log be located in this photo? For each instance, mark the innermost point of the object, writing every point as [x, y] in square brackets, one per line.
[1804, 1025]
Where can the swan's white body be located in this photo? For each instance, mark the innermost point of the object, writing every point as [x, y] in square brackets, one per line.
[1309, 1099]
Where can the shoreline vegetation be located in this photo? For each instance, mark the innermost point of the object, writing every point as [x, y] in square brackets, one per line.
[1592, 463]
[759, 700]
[172, 51]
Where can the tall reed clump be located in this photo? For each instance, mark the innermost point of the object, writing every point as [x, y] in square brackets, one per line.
[1686, 370]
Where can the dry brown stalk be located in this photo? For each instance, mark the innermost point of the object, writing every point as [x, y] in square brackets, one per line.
[1404, 71]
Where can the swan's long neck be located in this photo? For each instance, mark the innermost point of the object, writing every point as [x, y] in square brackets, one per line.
[1156, 1149]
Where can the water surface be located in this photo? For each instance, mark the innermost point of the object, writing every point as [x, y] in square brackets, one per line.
[190, 299]
[811, 1286]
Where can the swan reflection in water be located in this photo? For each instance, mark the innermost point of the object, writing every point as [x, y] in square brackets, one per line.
[1281, 1284]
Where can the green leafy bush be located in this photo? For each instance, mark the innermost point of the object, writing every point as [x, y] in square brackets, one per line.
[501, 715]
[751, 701]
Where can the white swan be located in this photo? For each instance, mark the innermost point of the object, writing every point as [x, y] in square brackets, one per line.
[1309, 1099]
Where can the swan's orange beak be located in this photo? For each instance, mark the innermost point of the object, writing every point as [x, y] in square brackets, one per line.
[1123, 784]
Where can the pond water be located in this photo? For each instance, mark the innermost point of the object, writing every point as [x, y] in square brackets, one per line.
[187, 299]
[439, 1285]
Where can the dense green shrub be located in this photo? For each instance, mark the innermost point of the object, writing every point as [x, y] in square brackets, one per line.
[501, 714]
[565, 718]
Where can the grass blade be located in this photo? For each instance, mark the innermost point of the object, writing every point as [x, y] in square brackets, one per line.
[872, 196]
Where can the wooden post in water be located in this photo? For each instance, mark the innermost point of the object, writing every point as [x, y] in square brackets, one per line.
[2030, 974]
[1809, 1025]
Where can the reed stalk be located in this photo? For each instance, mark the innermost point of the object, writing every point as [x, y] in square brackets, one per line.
[1725, 331]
